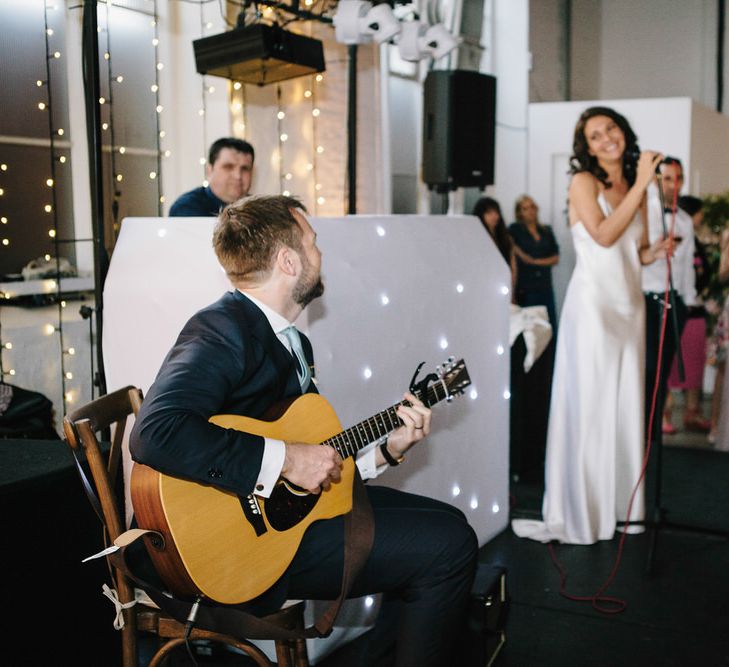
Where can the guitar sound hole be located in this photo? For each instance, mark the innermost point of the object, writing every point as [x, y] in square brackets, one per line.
[284, 509]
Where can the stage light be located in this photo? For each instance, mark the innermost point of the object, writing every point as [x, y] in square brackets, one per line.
[438, 41]
[358, 22]
[417, 41]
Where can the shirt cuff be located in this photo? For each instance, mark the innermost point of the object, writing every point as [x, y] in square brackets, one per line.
[274, 455]
[368, 469]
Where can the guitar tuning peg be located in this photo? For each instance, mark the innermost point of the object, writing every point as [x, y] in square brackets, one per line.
[451, 359]
[439, 370]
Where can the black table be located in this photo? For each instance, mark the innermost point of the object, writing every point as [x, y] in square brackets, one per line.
[49, 528]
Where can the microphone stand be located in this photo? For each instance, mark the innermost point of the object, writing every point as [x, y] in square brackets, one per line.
[657, 432]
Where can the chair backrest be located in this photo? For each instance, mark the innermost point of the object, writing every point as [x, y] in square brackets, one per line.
[80, 427]
[108, 413]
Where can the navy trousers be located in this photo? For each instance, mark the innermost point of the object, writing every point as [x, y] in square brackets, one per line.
[423, 559]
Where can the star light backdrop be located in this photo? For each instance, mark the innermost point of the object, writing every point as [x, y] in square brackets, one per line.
[399, 290]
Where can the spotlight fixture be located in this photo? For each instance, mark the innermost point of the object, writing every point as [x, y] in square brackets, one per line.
[418, 40]
[359, 22]
[259, 54]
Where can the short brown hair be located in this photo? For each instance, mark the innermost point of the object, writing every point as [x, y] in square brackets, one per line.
[250, 231]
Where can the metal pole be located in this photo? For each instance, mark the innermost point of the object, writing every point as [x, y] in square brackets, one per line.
[352, 130]
[92, 92]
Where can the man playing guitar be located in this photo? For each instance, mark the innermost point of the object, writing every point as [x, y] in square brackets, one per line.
[237, 356]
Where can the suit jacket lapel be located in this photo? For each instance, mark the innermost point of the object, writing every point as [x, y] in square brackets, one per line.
[261, 330]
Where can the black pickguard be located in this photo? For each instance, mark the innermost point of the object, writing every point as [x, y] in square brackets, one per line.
[285, 509]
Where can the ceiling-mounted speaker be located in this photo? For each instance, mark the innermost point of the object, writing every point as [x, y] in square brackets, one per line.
[259, 54]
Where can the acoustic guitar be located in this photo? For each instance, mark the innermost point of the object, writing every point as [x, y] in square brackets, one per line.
[231, 548]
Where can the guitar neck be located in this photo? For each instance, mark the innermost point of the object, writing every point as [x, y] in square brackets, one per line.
[348, 442]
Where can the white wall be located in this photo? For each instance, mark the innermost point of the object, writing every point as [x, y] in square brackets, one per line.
[659, 48]
[586, 46]
[623, 49]
[708, 166]
[511, 61]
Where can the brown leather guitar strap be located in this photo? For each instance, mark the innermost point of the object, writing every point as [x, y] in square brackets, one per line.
[359, 533]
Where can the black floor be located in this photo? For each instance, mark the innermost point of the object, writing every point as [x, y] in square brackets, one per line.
[673, 580]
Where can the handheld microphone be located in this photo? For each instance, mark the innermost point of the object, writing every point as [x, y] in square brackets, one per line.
[633, 154]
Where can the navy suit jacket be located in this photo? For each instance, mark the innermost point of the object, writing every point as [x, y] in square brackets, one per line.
[226, 360]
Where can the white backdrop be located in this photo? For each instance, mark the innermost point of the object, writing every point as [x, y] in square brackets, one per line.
[399, 290]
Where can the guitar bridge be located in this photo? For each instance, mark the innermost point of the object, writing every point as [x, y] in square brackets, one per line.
[252, 512]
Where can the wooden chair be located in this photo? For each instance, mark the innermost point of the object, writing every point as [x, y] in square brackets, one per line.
[81, 426]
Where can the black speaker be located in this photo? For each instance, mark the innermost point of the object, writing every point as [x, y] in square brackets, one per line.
[459, 123]
[484, 632]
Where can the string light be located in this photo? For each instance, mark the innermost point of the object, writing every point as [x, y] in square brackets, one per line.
[155, 89]
[52, 208]
[116, 193]
[202, 112]
[239, 114]
[312, 166]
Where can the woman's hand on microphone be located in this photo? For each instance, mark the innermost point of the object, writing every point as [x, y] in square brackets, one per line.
[647, 164]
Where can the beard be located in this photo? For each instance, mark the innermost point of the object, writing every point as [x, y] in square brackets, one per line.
[308, 287]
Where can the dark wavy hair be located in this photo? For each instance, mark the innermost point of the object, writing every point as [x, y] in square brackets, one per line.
[581, 160]
[501, 234]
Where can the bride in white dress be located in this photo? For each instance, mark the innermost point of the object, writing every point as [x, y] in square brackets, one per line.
[595, 438]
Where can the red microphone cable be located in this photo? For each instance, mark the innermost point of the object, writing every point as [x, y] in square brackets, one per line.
[606, 604]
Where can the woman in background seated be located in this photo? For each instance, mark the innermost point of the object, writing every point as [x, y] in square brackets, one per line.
[488, 211]
[536, 253]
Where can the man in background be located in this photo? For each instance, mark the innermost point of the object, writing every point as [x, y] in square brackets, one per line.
[229, 172]
[654, 277]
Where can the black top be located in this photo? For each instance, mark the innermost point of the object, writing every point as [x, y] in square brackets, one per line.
[199, 202]
[532, 277]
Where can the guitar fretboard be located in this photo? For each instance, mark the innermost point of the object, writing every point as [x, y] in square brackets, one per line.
[357, 437]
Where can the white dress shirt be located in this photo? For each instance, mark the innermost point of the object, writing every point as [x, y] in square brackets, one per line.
[274, 451]
[682, 265]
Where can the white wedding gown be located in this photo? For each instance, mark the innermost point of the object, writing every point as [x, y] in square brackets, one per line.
[595, 438]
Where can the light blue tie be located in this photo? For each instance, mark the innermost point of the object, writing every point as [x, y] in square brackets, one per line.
[302, 369]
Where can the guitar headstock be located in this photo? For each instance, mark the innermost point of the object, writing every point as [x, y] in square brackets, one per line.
[454, 375]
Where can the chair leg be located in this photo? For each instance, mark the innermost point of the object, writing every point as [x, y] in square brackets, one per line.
[292, 653]
[129, 632]
[301, 655]
[251, 651]
[283, 654]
